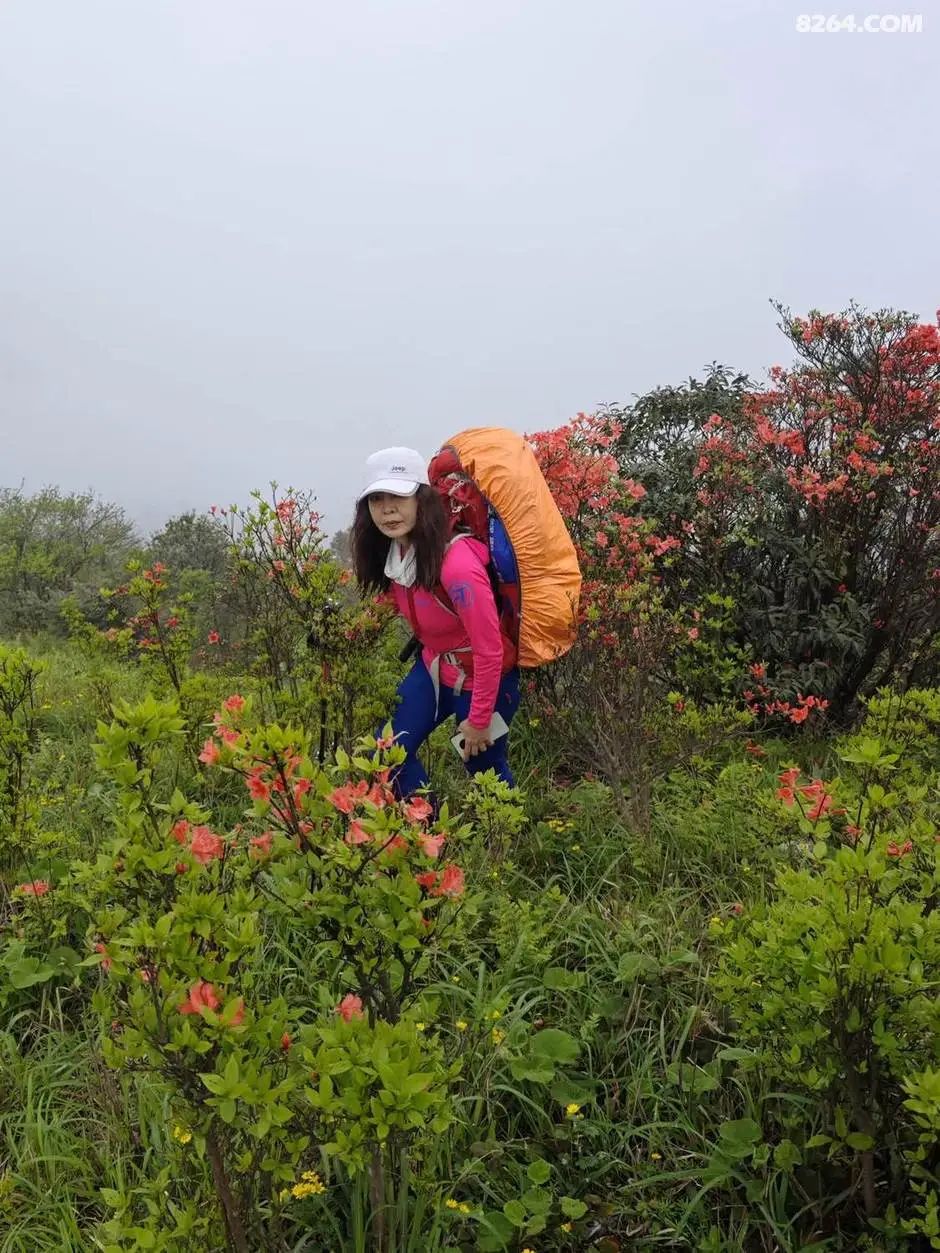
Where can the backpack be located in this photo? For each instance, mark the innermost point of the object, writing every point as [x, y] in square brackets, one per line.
[493, 489]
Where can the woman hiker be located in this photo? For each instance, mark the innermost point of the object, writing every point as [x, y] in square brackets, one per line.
[401, 542]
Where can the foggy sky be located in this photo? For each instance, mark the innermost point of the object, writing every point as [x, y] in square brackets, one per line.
[254, 239]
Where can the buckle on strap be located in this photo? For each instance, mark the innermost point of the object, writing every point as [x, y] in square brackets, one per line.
[434, 670]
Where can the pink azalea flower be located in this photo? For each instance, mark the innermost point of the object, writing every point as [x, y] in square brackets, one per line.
[350, 1007]
[417, 809]
[202, 996]
[205, 845]
[180, 831]
[36, 887]
[452, 882]
[356, 834]
[257, 786]
[346, 798]
[210, 753]
[431, 844]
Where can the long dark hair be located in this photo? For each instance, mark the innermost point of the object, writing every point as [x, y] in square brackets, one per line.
[429, 537]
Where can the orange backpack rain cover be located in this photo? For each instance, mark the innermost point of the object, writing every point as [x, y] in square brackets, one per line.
[504, 467]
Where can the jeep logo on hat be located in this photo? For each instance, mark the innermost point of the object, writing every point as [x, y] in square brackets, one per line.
[399, 469]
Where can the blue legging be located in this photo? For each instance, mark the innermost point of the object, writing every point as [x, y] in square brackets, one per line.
[415, 719]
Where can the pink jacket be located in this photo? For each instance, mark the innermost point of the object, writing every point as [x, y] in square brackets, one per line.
[473, 624]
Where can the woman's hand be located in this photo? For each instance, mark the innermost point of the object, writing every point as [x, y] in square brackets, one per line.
[474, 740]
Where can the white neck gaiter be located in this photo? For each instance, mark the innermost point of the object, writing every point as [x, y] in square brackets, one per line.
[401, 568]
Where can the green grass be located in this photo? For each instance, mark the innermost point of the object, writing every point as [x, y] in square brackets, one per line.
[583, 927]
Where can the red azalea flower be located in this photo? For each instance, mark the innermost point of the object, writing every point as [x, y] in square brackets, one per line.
[431, 844]
[417, 809]
[346, 798]
[356, 834]
[379, 795]
[452, 882]
[819, 809]
[257, 787]
[202, 996]
[260, 845]
[210, 753]
[350, 1007]
[180, 831]
[35, 887]
[205, 846]
[899, 850]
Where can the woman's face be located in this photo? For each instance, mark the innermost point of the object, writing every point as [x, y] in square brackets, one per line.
[395, 516]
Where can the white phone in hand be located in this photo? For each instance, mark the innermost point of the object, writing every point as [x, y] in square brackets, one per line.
[498, 727]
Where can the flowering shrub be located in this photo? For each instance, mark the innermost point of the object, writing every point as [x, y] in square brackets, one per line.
[363, 884]
[815, 505]
[294, 593]
[607, 703]
[833, 983]
[154, 623]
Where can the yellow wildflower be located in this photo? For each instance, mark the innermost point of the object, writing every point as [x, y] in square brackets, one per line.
[464, 1207]
[496, 1013]
[576, 848]
[451, 1203]
[311, 1185]
[566, 1226]
[497, 1036]
[183, 1134]
[572, 1108]
[460, 1024]
[657, 1157]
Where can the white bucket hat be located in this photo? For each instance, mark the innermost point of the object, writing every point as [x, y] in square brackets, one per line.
[398, 471]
